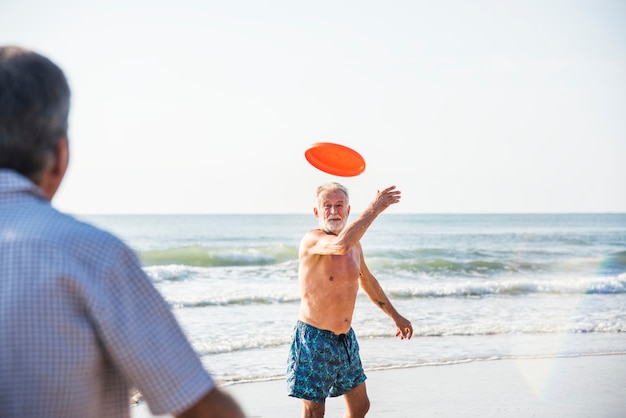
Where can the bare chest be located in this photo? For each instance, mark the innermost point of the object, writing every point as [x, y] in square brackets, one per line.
[338, 271]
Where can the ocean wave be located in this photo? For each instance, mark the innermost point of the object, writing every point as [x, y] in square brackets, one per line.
[503, 327]
[276, 293]
[199, 256]
[235, 300]
[239, 275]
[230, 345]
[183, 262]
[481, 265]
[514, 287]
[614, 328]
[440, 266]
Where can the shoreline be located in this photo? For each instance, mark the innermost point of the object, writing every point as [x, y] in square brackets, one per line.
[579, 386]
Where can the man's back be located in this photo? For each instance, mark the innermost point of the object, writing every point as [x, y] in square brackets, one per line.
[80, 322]
[75, 313]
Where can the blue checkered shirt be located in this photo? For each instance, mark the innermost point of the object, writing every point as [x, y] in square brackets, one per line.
[80, 322]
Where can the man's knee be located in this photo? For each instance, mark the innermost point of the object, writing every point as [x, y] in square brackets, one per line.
[358, 402]
[313, 409]
[366, 406]
[360, 408]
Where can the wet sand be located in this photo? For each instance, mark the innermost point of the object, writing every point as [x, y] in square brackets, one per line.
[590, 386]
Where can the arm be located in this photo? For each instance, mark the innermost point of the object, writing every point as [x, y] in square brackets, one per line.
[372, 289]
[169, 378]
[215, 404]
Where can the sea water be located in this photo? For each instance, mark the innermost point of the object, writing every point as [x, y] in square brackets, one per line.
[475, 287]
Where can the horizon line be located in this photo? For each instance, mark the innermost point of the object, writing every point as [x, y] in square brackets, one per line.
[309, 213]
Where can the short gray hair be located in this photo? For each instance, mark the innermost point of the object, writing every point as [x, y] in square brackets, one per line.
[34, 110]
[329, 187]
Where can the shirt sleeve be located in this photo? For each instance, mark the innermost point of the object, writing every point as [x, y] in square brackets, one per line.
[143, 338]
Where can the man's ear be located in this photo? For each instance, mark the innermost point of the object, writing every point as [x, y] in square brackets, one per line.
[315, 212]
[63, 156]
[53, 174]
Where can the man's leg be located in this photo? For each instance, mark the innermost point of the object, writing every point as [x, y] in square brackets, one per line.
[312, 409]
[357, 402]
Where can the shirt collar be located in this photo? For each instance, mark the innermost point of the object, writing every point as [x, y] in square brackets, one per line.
[12, 183]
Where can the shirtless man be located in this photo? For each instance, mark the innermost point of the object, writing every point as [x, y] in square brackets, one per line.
[324, 358]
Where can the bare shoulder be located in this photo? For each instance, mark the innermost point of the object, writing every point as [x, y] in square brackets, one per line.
[311, 237]
[318, 242]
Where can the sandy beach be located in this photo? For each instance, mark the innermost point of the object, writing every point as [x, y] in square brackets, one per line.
[590, 386]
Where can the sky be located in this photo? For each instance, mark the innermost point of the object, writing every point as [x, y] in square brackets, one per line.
[202, 106]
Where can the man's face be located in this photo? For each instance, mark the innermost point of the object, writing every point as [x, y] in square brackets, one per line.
[332, 211]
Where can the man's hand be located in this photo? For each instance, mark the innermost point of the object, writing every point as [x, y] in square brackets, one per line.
[405, 329]
[386, 198]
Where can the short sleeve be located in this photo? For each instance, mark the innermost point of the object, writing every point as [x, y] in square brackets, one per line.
[143, 338]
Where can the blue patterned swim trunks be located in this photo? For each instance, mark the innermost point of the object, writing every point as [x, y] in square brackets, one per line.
[322, 363]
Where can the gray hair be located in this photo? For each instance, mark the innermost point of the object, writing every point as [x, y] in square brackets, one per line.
[34, 110]
[329, 187]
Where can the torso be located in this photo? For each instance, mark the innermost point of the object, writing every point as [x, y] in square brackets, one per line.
[328, 288]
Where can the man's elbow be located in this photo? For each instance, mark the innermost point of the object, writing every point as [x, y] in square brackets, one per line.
[342, 248]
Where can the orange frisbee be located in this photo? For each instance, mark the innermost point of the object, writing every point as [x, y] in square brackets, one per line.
[335, 159]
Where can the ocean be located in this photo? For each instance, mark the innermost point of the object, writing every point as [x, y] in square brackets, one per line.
[475, 287]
